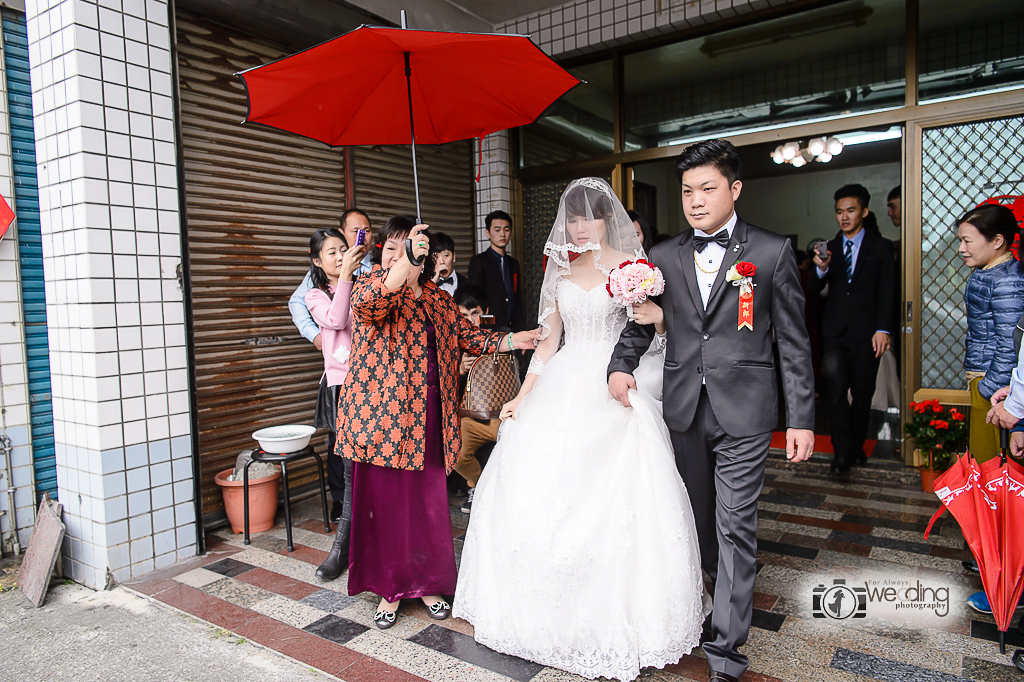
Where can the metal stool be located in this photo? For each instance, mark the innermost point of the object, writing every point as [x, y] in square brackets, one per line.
[260, 455]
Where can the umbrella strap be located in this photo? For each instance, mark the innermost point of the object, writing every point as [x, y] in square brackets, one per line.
[480, 157]
[934, 519]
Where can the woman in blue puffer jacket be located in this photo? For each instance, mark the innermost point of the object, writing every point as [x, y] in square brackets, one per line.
[995, 301]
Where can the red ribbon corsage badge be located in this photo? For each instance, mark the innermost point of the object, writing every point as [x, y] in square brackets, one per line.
[742, 275]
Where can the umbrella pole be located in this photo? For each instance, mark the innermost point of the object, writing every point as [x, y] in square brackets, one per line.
[412, 130]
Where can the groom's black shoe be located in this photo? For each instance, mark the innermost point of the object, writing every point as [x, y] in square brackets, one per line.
[860, 459]
[715, 676]
[839, 465]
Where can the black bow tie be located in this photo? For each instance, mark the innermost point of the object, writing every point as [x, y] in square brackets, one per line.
[700, 242]
[446, 280]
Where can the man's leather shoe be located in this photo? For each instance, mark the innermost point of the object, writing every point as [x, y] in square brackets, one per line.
[715, 676]
[839, 465]
[336, 511]
[337, 559]
[970, 567]
[860, 459]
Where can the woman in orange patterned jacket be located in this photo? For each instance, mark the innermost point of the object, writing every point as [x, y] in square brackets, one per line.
[398, 423]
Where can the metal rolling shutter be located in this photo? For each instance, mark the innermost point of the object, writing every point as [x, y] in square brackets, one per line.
[384, 188]
[254, 195]
[30, 251]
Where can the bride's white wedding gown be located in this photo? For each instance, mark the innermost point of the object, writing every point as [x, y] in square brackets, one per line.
[581, 552]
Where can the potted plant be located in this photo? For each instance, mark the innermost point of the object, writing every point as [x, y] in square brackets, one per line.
[937, 433]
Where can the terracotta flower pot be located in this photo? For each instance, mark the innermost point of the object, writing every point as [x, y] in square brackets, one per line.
[928, 477]
[262, 501]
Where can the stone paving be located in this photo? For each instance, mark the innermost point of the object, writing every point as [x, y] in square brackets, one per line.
[815, 531]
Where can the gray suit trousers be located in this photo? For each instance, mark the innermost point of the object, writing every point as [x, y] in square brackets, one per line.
[724, 475]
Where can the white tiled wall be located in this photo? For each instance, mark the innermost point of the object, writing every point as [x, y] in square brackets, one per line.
[101, 81]
[590, 25]
[494, 191]
[14, 414]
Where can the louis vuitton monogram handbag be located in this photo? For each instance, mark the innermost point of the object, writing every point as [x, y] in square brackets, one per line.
[493, 381]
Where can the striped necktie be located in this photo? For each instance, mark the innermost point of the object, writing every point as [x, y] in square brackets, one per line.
[848, 254]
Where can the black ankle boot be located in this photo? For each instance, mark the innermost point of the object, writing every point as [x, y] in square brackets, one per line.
[337, 559]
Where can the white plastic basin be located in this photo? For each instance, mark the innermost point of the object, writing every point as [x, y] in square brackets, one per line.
[284, 439]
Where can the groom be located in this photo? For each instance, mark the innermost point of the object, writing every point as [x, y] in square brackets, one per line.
[732, 305]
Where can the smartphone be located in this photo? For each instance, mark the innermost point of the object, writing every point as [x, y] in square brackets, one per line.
[821, 249]
[487, 320]
[360, 237]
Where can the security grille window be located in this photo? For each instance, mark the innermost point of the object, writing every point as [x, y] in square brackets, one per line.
[962, 167]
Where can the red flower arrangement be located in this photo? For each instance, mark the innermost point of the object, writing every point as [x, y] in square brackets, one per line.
[936, 432]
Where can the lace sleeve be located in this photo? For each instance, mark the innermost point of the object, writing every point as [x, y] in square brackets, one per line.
[536, 365]
[658, 345]
[548, 346]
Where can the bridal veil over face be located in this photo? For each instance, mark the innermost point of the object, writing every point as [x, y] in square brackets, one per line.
[591, 220]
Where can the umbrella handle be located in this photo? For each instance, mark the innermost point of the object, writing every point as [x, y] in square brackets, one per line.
[416, 262]
[1004, 443]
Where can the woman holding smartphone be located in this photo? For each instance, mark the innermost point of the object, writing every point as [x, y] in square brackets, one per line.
[398, 423]
[331, 270]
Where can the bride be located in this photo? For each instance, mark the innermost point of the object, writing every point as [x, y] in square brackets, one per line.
[582, 552]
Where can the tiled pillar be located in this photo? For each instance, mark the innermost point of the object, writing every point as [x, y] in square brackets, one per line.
[14, 412]
[494, 192]
[101, 81]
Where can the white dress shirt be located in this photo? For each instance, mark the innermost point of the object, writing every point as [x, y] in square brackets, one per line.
[857, 240]
[710, 259]
[450, 287]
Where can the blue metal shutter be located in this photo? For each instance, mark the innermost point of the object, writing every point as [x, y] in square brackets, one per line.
[30, 252]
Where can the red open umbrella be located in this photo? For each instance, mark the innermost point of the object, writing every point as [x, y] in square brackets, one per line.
[985, 499]
[378, 85]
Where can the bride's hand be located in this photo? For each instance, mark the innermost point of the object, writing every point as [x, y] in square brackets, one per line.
[508, 410]
[649, 312]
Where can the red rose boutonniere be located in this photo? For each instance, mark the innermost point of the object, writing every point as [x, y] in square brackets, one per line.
[742, 275]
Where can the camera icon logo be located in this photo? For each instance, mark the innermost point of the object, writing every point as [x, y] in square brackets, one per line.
[839, 601]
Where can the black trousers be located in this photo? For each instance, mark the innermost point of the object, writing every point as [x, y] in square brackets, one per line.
[339, 477]
[724, 475]
[850, 366]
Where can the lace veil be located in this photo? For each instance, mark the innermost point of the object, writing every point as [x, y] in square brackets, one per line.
[590, 219]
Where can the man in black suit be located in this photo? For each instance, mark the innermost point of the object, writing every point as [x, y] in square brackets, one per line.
[497, 274]
[732, 304]
[855, 325]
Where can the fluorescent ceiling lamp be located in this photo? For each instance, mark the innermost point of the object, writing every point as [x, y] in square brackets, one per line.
[893, 133]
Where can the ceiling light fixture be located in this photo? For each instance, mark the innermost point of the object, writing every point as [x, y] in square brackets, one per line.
[820, 149]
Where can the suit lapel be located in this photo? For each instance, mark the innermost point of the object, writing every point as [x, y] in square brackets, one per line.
[733, 252]
[689, 274]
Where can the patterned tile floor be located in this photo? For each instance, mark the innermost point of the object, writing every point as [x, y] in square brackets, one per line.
[814, 529]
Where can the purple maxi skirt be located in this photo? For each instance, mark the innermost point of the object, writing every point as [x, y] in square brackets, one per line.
[401, 542]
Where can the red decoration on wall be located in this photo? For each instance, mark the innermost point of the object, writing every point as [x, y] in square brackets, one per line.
[1015, 204]
[6, 217]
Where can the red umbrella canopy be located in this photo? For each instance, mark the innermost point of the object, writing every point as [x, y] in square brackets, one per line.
[352, 90]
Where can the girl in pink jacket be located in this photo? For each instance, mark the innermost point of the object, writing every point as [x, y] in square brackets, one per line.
[332, 269]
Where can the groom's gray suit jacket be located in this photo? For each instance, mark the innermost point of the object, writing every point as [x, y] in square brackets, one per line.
[739, 366]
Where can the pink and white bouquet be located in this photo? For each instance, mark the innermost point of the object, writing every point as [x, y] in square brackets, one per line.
[633, 282]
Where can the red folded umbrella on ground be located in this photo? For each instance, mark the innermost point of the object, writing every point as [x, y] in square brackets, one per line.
[985, 499]
[378, 85]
